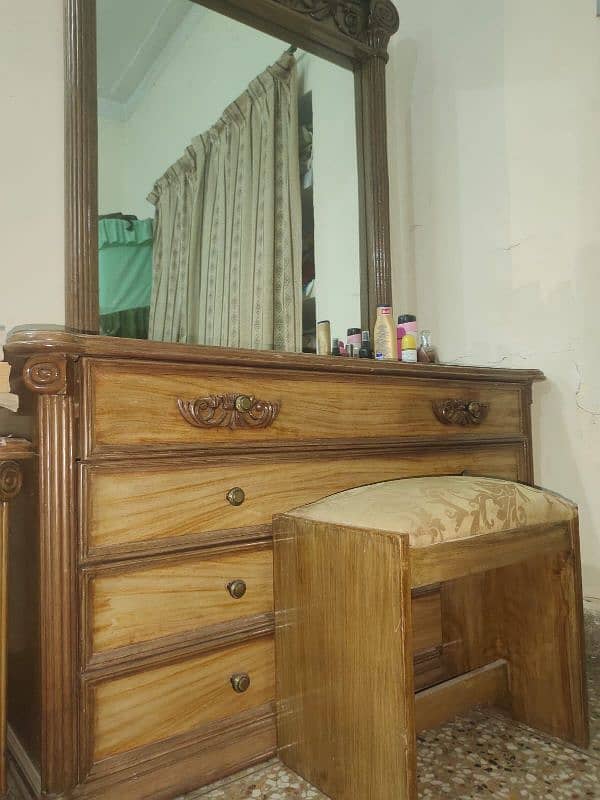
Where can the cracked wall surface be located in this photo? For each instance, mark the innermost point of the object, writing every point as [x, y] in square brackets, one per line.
[494, 125]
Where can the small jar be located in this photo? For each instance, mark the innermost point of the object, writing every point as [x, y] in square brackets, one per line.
[354, 338]
[409, 349]
[426, 353]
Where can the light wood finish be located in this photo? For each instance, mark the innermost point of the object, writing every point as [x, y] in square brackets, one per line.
[134, 408]
[100, 521]
[165, 770]
[167, 701]
[486, 686]
[450, 560]
[515, 618]
[427, 621]
[541, 634]
[331, 730]
[132, 510]
[131, 605]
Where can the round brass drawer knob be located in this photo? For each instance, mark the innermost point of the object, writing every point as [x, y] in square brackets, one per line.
[240, 682]
[243, 403]
[237, 589]
[236, 496]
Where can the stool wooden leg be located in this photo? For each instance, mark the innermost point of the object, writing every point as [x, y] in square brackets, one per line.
[540, 608]
[344, 660]
[531, 614]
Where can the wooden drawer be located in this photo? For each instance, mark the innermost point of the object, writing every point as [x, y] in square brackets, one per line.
[160, 703]
[133, 407]
[165, 506]
[131, 607]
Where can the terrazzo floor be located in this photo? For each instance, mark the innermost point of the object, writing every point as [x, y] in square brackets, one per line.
[477, 756]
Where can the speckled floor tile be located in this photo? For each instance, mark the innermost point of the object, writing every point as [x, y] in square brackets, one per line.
[478, 756]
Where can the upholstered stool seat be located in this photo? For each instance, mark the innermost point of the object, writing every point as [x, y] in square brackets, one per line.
[500, 563]
[442, 509]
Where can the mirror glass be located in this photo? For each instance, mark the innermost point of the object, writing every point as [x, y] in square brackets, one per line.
[227, 182]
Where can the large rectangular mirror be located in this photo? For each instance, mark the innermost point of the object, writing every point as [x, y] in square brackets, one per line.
[232, 186]
[227, 182]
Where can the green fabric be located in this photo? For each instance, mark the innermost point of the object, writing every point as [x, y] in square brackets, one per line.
[129, 324]
[124, 264]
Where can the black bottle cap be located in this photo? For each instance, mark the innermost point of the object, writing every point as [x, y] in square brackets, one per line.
[353, 331]
[406, 318]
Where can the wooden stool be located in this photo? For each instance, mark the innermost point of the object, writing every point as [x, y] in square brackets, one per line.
[506, 558]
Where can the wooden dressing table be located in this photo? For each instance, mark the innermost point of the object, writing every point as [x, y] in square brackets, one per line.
[143, 662]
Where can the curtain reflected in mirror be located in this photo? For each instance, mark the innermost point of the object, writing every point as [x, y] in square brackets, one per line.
[228, 188]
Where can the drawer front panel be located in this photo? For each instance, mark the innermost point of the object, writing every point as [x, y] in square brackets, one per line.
[163, 702]
[134, 407]
[132, 605]
[139, 509]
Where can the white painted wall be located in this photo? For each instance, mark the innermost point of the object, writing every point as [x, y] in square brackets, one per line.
[495, 182]
[208, 63]
[494, 131]
[31, 162]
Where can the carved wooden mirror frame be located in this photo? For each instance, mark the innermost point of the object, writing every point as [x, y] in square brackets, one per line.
[352, 33]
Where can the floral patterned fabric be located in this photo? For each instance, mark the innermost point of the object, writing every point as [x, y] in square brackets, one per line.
[441, 509]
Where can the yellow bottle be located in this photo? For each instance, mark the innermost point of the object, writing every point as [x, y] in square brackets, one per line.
[385, 343]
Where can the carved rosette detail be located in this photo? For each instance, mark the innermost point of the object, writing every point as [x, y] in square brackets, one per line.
[11, 480]
[46, 374]
[460, 412]
[228, 411]
[360, 19]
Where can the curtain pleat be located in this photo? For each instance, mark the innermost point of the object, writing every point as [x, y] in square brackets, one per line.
[228, 229]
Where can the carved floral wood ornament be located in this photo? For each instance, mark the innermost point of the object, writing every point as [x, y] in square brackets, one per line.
[460, 412]
[228, 411]
[352, 17]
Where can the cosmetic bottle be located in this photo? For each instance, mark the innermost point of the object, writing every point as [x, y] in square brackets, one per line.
[324, 338]
[426, 353]
[385, 342]
[335, 348]
[409, 349]
[365, 347]
[353, 339]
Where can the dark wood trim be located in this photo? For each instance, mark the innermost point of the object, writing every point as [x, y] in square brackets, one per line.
[181, 764]
[354, 34]
[23, 773]
[58, 602]
[28, 340]
[81, 167]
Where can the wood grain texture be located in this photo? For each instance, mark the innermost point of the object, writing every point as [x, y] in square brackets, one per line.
[177, 766]
[486, 686]
[135, 407]
[450, 560]
[330, 584]
[26, 341]
[531, 614]
[427, 621]
[129, 605]
[158, 507]
[129, 507]
[541, 635]
[135, 710]
[58, 596]
[81, 167]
